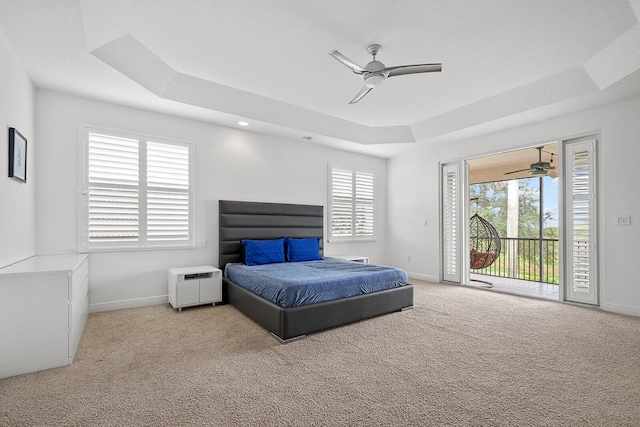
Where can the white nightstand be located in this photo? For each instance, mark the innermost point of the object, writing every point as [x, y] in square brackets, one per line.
[356, 258]
[188, 286]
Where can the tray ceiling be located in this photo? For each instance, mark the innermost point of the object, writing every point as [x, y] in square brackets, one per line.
[504, 63]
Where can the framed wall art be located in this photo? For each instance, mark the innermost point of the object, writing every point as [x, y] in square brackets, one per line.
[17, 156]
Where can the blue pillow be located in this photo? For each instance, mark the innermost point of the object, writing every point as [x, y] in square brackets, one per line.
[302, 249]
[258, 252]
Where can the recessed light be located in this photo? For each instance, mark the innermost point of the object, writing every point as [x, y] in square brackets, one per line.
[243, 123]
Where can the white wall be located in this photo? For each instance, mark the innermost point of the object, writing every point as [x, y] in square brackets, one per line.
[17, 200]
[230, 164]
[413, 195]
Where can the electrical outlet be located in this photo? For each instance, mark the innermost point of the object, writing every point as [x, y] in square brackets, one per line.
[409, 258]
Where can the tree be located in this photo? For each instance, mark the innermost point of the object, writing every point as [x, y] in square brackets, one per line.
[491, 204]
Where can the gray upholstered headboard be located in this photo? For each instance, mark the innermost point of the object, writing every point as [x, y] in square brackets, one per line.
[254, 220]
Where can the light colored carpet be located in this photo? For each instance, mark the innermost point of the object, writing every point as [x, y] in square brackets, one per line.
[461, 357]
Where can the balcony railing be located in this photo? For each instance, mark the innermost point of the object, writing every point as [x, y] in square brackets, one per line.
[526, 259]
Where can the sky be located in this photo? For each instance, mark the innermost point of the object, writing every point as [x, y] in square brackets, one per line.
[550, 202]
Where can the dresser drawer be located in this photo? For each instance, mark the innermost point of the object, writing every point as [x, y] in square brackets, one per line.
[76, 306]
[78, 279]
[80, 313]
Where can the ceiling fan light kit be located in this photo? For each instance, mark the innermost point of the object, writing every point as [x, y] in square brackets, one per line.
[373, 80]
[375, 73]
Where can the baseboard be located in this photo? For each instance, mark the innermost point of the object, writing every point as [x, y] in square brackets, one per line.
[130, 303]
[425, 277]
[621, 309]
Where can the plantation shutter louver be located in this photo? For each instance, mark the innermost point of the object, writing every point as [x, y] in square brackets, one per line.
[351, 204]
[113, 194]
[137, 191]
[451, 220]
[581, 286]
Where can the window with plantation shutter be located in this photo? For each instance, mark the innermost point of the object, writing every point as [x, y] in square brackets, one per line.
[580, 190]
[137, 191]
[351, 204]
[451, 222]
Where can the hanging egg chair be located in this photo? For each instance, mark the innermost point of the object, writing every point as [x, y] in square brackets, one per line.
[484, 242]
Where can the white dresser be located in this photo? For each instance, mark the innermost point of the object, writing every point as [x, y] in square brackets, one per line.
[45, 304]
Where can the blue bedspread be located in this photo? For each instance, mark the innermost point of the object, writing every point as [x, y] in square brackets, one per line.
[291, 284]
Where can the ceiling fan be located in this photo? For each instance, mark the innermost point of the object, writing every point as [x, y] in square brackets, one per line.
[539, 168]
[375, 73]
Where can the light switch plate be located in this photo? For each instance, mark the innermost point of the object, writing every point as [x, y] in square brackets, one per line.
[623, 220]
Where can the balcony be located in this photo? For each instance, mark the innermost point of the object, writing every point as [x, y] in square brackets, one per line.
[525, 266]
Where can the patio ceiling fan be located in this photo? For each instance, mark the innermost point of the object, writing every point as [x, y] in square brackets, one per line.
[539, 168]
[375, 72]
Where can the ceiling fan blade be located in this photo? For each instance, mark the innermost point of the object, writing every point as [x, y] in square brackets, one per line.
[521, 170]
[411, 69]
[365, 90]
[346, 61]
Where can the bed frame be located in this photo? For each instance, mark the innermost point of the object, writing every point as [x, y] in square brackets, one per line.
[253, 220]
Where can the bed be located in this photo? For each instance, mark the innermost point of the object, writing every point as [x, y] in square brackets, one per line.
[239, 221]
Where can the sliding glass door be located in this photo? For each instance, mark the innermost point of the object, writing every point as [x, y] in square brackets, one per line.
[578, 221]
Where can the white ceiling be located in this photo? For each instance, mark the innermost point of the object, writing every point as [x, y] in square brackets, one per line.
[505, 63]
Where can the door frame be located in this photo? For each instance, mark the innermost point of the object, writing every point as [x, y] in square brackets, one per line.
[463, 220]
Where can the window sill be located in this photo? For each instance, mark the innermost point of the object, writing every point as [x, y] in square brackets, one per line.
[351, 240]
[135, 249]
